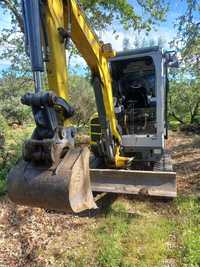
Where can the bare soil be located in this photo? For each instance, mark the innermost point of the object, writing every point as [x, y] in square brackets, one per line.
[185, 151]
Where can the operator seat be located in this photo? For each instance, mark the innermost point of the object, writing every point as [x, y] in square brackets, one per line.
[135, 90]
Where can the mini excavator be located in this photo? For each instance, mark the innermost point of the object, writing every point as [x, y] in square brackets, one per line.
[127, 152]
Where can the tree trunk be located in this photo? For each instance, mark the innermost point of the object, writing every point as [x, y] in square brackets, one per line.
[194, 113]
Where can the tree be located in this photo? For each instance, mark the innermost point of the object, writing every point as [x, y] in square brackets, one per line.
[184, 97]
[147, 42]
[126, 44]
[82, 99]
[184, 101]
[102, 13]
[144, 42]
[161, 41]
[136, 42]
[189, 36]
[152, 42]
[12, 88]
[12, 39]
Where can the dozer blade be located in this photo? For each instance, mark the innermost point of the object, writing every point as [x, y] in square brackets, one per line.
[64, 188]
[158, 181]
[137, 182]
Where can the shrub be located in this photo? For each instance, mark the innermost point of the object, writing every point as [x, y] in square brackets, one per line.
[14, 112]
[3, 129]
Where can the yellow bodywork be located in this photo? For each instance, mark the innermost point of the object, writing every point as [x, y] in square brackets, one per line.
[95, 53]
[56, 67]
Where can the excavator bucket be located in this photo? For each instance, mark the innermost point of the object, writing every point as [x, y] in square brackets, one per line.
[64, 188]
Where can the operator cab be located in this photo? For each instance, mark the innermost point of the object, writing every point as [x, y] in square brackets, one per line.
[134, 91]
[139, 91]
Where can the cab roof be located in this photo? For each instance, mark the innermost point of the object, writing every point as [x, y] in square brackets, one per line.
[138, 51]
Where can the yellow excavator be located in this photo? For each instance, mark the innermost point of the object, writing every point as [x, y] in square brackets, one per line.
[127, 151]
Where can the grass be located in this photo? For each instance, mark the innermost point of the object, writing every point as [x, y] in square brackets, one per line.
[136, 234]
[148, 237]
[129, 233]
[131, 239]
[189, 231]
[174, 125]
[11, 151]
[111, 234]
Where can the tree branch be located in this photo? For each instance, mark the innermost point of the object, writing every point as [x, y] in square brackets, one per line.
[177, 118]
[15, 12]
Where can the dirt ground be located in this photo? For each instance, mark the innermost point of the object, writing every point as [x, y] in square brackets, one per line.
[32, 237]
[185, 151]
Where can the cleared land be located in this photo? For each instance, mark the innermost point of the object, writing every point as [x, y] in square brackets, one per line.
[130, 232]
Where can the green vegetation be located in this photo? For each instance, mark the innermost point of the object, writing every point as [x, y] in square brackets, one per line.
[11, 150]
[81, 89]
[131, 239]
[110, 235]
[133, 233]
[136, 235]
[15, 118]
[12, 88]
[184, 100]
[189, 231]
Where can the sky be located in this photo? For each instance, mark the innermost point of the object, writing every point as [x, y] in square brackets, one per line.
[166, 30]
[4, 23]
